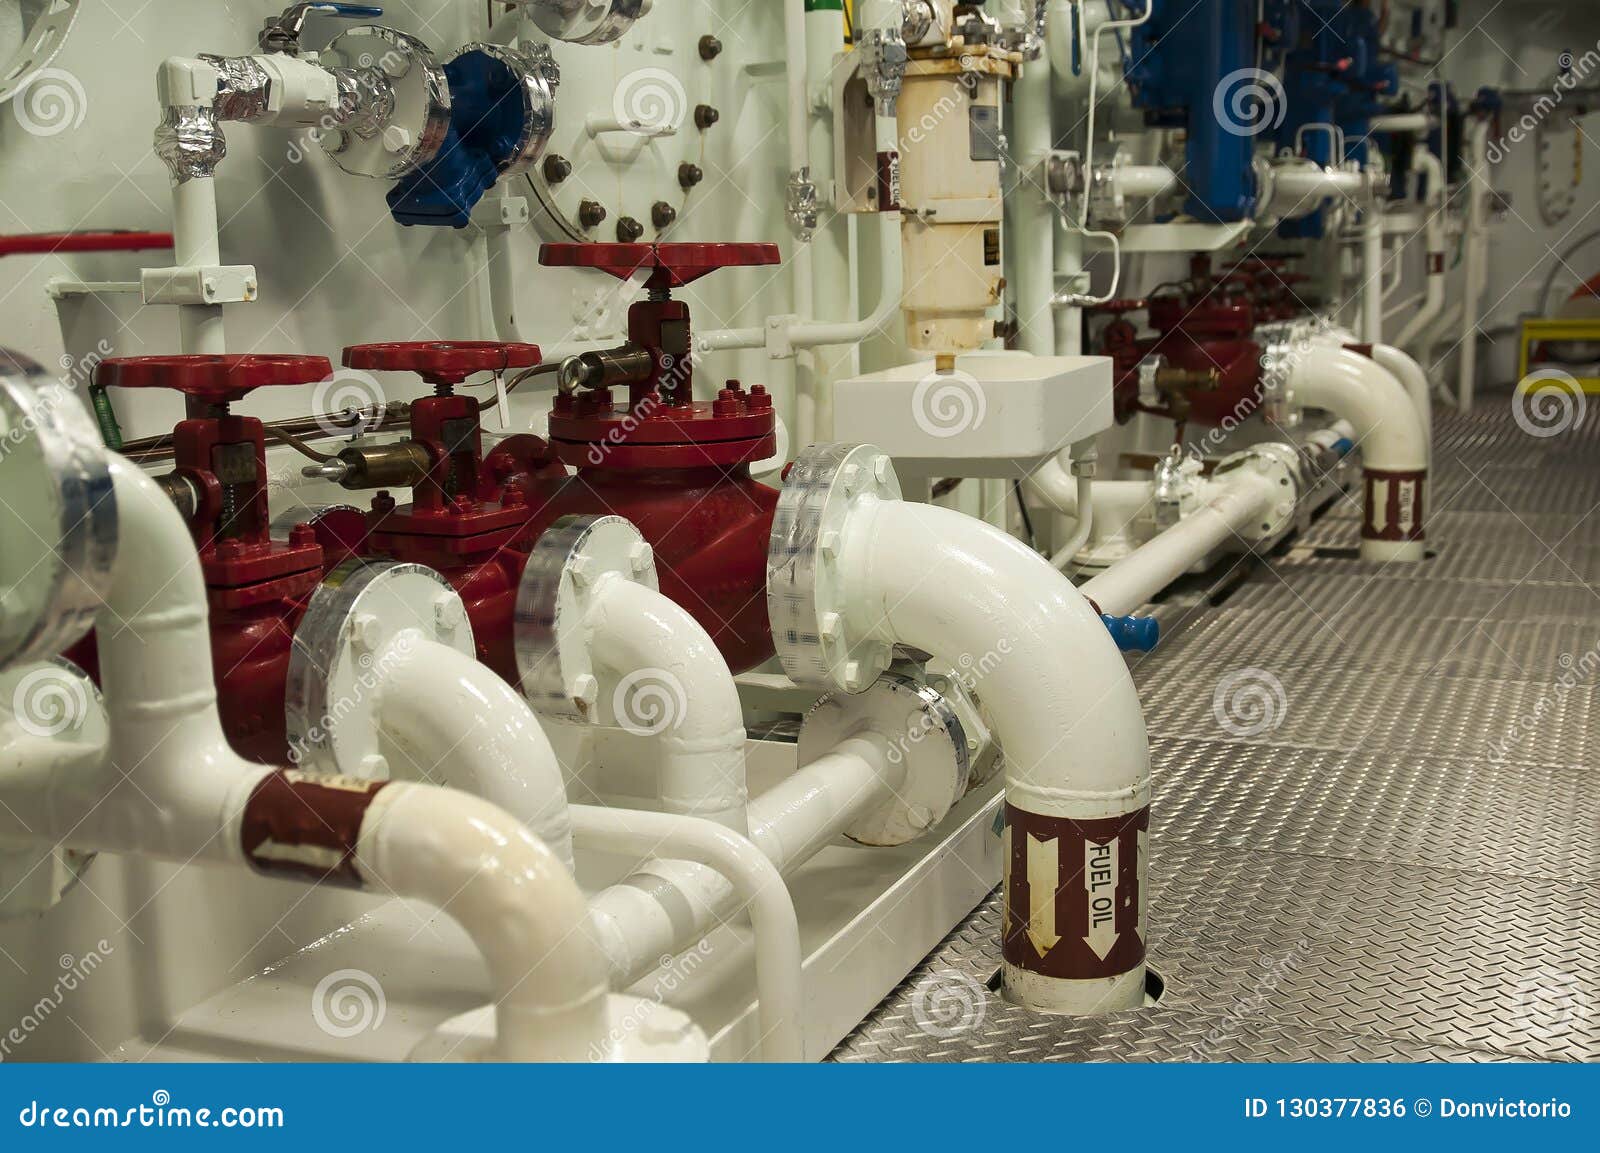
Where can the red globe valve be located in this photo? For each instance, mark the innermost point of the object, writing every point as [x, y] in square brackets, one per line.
[441, 362]
[214, 380]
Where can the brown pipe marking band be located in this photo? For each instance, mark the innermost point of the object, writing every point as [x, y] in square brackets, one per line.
[889, 181]
[306, 826]
[1086, 884]
[1396, 515]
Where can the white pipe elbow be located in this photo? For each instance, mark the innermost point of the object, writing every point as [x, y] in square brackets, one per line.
[675, 688]
[451, 721]
[1393, 443]
[1065, 708]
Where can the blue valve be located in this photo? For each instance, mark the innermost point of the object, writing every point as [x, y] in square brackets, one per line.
[1344, 446]
[1133, 634]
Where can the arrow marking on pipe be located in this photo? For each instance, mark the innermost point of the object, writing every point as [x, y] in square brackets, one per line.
[1044, 879]
[1100, 883]
[1408, 506]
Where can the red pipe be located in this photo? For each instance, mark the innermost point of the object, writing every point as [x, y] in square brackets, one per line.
[36, 243]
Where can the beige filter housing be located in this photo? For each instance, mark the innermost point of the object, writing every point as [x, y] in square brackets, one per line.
[949, 123]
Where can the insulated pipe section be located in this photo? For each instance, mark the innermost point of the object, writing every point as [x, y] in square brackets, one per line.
[853, 571]
[1391, 437]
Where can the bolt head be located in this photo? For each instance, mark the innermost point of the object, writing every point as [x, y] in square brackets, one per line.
[640, 557]
[366, 631]
[396, 138]
[585, 690]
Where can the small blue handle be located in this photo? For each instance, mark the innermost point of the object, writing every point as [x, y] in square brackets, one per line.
[1344, 446]
[1133, 634]
[351, 11]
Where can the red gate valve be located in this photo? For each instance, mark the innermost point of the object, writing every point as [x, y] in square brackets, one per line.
[220, 482]
[660, 424]
[452, 493]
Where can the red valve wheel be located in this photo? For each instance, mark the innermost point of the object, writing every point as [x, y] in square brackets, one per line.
[441, 361]
[671, 265]
[212, 378]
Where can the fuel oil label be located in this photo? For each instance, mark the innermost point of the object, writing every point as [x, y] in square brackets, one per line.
[1073, 893]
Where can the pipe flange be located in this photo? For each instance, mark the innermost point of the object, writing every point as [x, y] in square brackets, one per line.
[52, 701]
[924, 735]
[585, 21]
[574, 559]
[1279, 466]
[416, 128]
[537, 74]
[814, 639]
[364, 615]
[58, 524]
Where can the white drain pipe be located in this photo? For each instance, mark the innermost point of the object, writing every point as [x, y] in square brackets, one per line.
[1066, 712]
[1410, 374]
[1391, 437]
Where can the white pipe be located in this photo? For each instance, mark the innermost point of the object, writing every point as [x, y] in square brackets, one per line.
[195, 244]
[1307, 185]
[172, 789]
[1080, 533]
[1117, 503]
[1409, 373]
[1434, 226]
[1477, 193]
[794, 35]
[757, 885]
[1065, 710]
[676, 684]
[1032, 215]
[1371, 326]
[514, 898]
[667, 904]
[455, 723]
[1221, 521]
[1144, 181]
[1392, 440]
[1401, 122]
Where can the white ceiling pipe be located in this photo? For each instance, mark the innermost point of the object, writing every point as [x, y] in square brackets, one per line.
[695, 720]
[1223, 520]
[1434, 231]
[1391, 437]
[1409, 373]
[1065, 710]
[459, 725]
[756, 884]
[640, 920]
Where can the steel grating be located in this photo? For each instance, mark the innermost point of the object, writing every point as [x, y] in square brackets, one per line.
[1402, 862]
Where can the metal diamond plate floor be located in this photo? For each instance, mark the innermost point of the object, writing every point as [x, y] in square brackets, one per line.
[1388, 849]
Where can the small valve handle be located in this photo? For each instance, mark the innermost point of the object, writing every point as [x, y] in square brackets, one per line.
[281, 33]
[671, 265]
[216, 379]
[441, 361]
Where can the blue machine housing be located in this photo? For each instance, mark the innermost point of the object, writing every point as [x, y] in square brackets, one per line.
[1178, 65]
[488, 117]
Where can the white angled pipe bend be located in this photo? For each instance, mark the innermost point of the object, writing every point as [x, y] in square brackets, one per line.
[1067, 714]
[755, 882]
[1392, 440]
[1410, 374]
[455, 723]
[676, 688]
